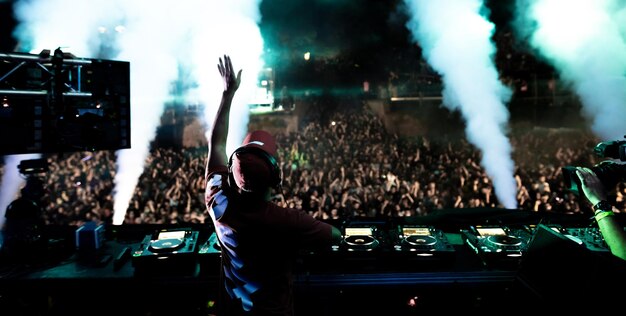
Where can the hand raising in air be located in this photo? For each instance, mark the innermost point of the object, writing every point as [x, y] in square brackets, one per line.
[231, 82]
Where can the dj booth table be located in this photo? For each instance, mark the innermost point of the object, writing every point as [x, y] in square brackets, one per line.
[92, 286]
[67, 281]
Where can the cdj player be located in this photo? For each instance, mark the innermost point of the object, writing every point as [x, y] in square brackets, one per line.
[167, 251]
[360, 238]
[360, 248]
[423, 240]
[419, 246]
[497, 246]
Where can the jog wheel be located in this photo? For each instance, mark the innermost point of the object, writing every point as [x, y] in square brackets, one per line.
[504, 241]
[420, 242]
[358, 242]
[166, 245]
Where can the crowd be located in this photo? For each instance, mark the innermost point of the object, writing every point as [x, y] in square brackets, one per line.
[350, 166]
[338, 165]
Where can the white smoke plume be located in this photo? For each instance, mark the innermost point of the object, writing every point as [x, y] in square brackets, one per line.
[586, 42]
[156, 38]
[455, 36]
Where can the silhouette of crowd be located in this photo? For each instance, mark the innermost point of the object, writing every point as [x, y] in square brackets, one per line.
[338, 165]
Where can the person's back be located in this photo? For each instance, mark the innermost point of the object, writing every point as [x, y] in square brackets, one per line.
[259, 242]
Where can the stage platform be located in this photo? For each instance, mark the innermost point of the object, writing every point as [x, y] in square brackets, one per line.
[450, 270]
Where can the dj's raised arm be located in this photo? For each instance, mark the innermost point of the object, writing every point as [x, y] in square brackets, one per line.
[217, 143]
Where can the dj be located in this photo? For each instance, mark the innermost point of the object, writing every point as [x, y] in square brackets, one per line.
[259, 239]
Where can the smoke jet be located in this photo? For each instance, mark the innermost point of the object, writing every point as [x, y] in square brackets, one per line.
[456, 40]
[586, 43]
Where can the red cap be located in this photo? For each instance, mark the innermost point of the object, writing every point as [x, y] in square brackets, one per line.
[262, 140]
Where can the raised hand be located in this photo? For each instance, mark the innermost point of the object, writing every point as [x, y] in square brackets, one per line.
[231, 82]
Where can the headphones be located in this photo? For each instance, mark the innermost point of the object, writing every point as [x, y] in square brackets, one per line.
[275, 172]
